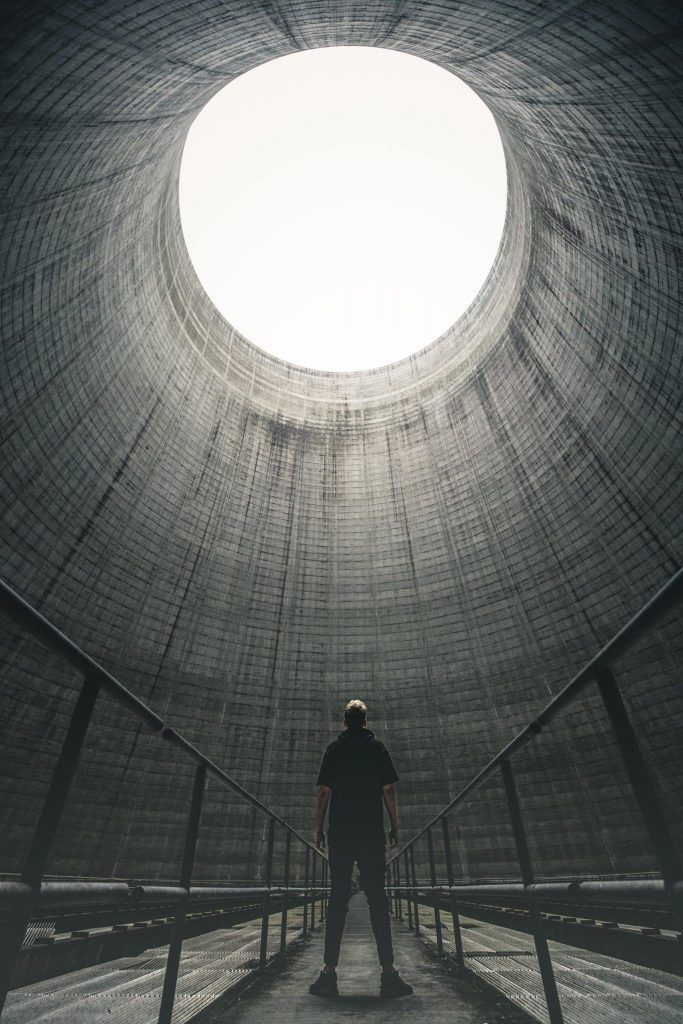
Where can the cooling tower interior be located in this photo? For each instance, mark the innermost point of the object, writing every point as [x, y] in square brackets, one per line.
[247, 544]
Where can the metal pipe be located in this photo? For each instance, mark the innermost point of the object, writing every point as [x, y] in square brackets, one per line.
[389, 889]
[455, 916]
[540, 941]
[432, 877]
[407, 876]
[657, 606]
[306, 876]
[285, 903]
[159, 892]
[175, 738]
[644, 790]
[416, 913]
[646, 891]
[176, 940]
[216, 892]
[263, 953]
[399, 902]
[52, 893]
[314, 861]
[48, 635]
[46, 829]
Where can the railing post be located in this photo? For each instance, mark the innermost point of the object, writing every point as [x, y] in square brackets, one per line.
[263, 956]
[285, 898]
[321, 912]
[306, 874]
[176, 942]
[408, 901]
[432, 877]
[46, 829]
[457, 934]
[644, 790]
[413, 878]
[389, 889]
[542, 952]
[315, 861]
[397, 882]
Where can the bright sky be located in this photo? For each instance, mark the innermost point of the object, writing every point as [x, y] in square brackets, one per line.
[343, 206]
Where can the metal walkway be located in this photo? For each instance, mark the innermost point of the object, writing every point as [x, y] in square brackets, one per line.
[128, 990]
[593, 988]
[215, 966]
[530, 966]
[440, 996]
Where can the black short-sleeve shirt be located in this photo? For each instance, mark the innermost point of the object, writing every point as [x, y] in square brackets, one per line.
[355, 767]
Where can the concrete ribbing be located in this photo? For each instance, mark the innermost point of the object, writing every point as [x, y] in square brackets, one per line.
[248, 544]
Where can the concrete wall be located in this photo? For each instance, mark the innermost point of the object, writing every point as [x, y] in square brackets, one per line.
[247, 544]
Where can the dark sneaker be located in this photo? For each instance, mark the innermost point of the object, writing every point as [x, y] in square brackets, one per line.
[325, 985]
[393, 986]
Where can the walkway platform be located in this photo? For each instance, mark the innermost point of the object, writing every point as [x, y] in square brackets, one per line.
[593, 988]
[214, 968]
[440, 996]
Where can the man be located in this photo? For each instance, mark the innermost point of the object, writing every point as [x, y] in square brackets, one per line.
[357, 774]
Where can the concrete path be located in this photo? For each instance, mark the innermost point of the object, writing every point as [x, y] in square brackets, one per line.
[440, 997]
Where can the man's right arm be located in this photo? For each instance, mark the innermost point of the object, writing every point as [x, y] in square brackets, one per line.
[320, 809]
[389, 796]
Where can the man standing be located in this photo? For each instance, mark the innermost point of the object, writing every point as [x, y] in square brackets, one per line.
[357, 773]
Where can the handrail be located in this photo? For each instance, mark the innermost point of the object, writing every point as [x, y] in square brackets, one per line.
[25, 894]
[599, 671]
[663, 600]
[43, 630]
[25, 615]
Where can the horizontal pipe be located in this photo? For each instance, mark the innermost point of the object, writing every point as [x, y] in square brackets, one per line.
[220, 892]
[74, 892]
[626, 891]
[656, 607]
[52, 893]
[170, 893]
[645, 890]
[13, 894]
[639, 890]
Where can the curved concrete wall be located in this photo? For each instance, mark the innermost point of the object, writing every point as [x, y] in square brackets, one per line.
[248, 544]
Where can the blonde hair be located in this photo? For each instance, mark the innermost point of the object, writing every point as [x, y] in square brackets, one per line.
[355, 712]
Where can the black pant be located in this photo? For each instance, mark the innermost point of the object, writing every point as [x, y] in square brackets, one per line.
[368, 853]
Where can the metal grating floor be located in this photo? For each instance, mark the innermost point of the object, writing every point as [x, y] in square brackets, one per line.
[593, 988]
[128, 990]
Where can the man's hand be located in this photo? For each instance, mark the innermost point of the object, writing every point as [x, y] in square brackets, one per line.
[393, 837]
[320, 839]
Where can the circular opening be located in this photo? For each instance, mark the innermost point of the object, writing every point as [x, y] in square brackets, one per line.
[342, 207]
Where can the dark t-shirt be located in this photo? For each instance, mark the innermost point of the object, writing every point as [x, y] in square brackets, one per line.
[355, 767]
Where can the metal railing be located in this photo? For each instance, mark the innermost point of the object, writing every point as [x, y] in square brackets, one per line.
[22, 897]
[597, 671]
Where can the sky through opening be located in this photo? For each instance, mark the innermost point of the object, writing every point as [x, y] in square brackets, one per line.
[342, 207]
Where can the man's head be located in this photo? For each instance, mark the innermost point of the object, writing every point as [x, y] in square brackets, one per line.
[355, 714]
